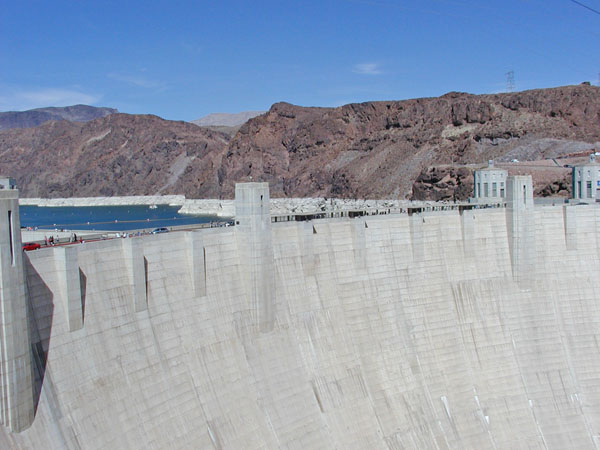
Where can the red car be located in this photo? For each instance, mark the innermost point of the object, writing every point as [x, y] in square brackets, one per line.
[30, 246]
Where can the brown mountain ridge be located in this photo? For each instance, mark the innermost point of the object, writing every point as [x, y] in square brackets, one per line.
[116, 155]
[367, 150]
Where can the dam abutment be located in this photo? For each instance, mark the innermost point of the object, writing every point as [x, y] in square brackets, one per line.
[16, 376]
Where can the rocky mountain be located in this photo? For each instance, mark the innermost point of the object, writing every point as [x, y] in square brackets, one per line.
[367, 150]
[119, 154]
[443, 183]
[378, 149]
[35, 117]
[226, 119]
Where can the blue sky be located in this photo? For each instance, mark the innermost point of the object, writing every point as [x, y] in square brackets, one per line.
[182, 60]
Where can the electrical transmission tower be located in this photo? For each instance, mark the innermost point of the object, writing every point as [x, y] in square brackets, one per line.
[510, 81]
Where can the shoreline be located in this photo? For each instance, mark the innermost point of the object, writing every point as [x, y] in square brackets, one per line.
[226, 208]
[130, 200]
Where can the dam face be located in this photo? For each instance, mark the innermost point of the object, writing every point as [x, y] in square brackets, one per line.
[443, 330]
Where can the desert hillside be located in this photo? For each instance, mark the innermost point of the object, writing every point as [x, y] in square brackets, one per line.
[372, 150]
[116, 155]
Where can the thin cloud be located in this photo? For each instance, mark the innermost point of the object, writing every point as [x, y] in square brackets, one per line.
[21, 100]
[191, 47]
[138, 81]
[367, 69]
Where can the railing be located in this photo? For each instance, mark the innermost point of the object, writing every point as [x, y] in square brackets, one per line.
[410, 210]
[84, 237]
[276, 218]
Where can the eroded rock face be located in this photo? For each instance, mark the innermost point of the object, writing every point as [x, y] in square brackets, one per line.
[444, 183]
[119, 154]
[367, 150]
[378, 149]
[561, 187]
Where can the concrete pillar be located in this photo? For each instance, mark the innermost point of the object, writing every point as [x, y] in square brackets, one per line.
[570, 224]
[520, 221]
[16, 380]
[307, 239]
[467, 224]
[133, 252]
[255, 245]
[359, 243]
[196, 254]
[67, 268]
[417, 222]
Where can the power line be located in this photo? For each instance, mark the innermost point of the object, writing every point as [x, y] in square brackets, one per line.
[585, 6]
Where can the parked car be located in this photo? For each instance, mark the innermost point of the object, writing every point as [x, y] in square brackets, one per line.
[30, 246]
[160, 230]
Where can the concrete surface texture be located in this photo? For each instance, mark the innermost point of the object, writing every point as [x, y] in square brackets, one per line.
[384, 332]
[16, 406]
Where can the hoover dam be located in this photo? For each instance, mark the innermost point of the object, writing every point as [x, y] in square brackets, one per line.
[445, 328]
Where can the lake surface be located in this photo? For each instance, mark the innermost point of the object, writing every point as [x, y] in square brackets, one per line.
[107, 218]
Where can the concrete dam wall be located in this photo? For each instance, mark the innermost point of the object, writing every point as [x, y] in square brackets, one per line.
[442, 330]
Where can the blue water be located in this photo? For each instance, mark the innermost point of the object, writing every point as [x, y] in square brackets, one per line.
[107, 218]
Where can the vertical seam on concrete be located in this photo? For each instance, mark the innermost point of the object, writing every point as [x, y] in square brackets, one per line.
[137, 267]
[68, 274]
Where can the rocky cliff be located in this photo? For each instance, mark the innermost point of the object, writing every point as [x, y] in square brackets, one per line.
[116, 155]
[369, 150]
[378, 149]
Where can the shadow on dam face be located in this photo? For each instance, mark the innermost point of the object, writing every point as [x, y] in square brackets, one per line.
[83, 288]
[40, 315]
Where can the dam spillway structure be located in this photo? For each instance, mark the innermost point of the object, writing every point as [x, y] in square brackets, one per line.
[443, 328]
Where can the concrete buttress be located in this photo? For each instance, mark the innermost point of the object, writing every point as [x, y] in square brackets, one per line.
[67, 267]
[254, 241]
[16, 388]
[520, 220]
[196, 255]
[136, 264]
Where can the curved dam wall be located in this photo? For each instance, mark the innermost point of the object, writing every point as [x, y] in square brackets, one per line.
[439, 330]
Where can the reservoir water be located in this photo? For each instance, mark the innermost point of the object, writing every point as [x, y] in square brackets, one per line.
[108, 218]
